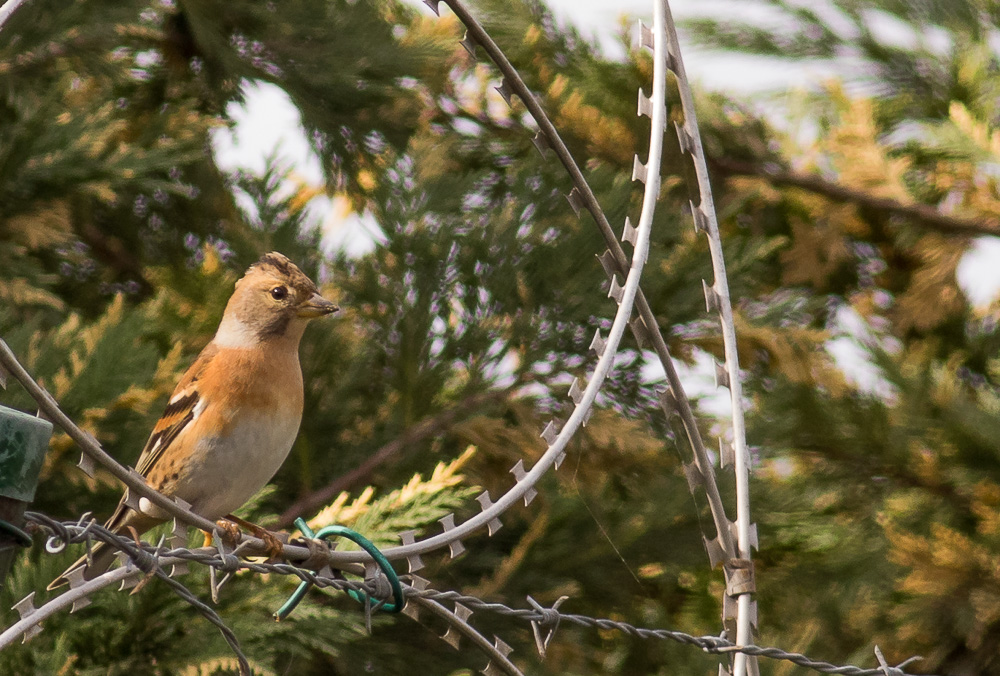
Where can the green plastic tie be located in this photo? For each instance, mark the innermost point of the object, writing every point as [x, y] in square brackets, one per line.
[383, 563]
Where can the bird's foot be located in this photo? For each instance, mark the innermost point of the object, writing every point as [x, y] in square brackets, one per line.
[273, 546]
[228, 531]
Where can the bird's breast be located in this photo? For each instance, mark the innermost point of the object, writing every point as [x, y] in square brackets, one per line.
[249, 428]
[230, 468]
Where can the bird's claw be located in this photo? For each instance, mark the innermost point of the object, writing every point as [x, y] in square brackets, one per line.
[229, 532]
[273, 545]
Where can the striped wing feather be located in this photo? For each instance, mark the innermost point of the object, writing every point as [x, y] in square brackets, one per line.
[180, 411]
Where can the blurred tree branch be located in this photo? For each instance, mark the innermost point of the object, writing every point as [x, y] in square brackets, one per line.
[922, 214]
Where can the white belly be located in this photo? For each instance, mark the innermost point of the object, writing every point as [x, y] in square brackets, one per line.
[227, 471]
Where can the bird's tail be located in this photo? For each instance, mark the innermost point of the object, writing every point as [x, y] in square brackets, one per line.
[102, 555]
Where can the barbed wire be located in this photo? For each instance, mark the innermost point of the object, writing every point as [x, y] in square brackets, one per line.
[730, 544]
[717, 645]
[138, 555]
[151, 560]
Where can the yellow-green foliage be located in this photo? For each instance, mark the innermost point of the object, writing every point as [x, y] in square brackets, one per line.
[416, 504]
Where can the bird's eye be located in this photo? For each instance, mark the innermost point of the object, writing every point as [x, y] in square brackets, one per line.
[279, 293]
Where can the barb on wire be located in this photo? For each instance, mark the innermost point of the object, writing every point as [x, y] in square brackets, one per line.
[458, 625]
[550, 621]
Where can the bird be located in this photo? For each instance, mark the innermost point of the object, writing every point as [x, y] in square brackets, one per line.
[235, 413]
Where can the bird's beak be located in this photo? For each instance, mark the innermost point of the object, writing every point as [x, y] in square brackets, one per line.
[316, 306]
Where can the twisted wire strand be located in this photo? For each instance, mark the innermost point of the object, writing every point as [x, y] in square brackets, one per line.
[145, 558]
[709, 644]
[150, 559]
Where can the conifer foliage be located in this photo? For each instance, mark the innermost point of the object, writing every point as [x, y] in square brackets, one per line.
[877, 496]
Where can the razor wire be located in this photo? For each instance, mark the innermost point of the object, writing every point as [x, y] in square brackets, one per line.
[557, 435]
[739, 571]
[147, 560]
[732, 541]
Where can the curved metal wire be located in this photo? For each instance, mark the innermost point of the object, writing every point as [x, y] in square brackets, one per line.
[666, 52]
[8, 9]
[718, 300]
[614, 259]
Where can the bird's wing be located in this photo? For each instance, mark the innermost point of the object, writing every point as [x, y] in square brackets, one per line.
[180, 411]
[182, 408]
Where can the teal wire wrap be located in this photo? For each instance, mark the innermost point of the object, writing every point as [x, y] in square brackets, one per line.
[383, 563]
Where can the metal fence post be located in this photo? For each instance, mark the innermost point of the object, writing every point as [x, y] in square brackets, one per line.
[24, 439]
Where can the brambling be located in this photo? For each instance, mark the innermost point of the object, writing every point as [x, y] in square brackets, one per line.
[235, 413]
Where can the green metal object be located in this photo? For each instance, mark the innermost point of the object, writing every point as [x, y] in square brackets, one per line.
[10, 530]
[366, 544]
[24, 439]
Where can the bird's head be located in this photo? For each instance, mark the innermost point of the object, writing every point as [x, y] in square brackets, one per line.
[273, 300]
